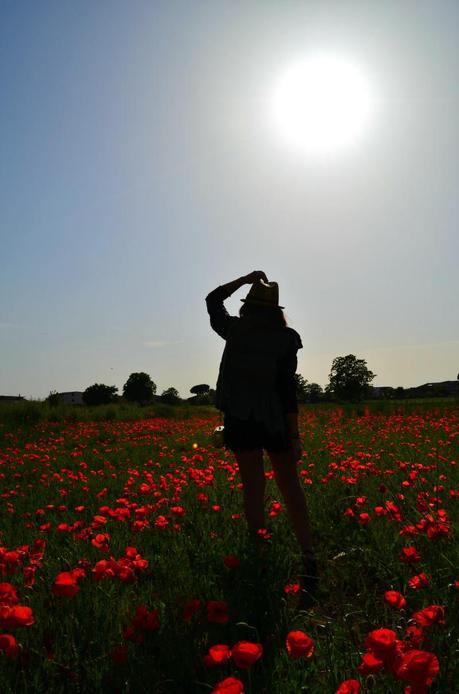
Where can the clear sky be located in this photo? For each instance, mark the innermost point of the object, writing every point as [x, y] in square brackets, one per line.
[139, 169]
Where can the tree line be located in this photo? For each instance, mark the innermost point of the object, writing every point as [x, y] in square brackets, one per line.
[349, 380]
[139, 389]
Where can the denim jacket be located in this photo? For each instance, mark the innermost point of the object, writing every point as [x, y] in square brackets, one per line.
[257, 369]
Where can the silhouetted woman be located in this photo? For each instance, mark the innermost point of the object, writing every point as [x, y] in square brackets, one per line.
[256, 391]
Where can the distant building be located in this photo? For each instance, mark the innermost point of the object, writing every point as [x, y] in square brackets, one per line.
[381, 391]
[443, 388]
[74, 397]
[434, 390]
[11, 398]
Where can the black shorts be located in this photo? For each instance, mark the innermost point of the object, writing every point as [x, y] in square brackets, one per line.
[248, 435]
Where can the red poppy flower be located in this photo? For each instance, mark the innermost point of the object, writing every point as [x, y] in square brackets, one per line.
[63, 528]
[419, 581]
[230, 561]
[140, 563]
[29, 575]
[8, 594]
[299, 644]
[417, 667]
[219, 653]
[120, 654]
[217, 611]
[11, 560]
[143, 619]
[415, 635]
[292, 588]
[264, 534]
[9, 646]
[409, 530]
[65, 585]
[382, 643]
[130, 634]
[191, 607]
[105, 568]
[131, 552]
[151, 620]
[140, 614]
[409, 555]
[126, 574]
[99, 520]
[245, 653]
[161, 522]
[393, 510]
[364, 518]
[16, 616]
[370, 664]
[395, 599]
[230, 685]
[39, 544]
[433, 614]
[101, 541]
[349, 687]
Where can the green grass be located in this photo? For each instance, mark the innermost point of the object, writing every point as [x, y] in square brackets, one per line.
[34, 411]
[51, 468]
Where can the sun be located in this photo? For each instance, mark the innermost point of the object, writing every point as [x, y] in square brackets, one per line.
[321, 104]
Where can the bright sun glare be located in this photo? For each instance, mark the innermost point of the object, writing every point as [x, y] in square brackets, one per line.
[321, 104]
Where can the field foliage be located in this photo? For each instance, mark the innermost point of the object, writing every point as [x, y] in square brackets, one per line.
[125, 558]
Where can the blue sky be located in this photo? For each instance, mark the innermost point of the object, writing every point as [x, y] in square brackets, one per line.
[138, 172]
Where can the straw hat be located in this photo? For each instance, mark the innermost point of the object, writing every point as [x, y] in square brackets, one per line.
[264, 294]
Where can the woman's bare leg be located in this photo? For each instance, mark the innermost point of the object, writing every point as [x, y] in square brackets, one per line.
[286, 475]
[253, 479]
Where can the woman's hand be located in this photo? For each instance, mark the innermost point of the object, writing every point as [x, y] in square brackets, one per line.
[230, 287]
[255, 275]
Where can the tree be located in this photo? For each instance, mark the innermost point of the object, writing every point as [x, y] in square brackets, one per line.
[202, 395]
[200, 389]
[139, 388]
[99, 394]
[313, 392]
[349, 378]
[212, 396]
[53, 399]
[301, 386]
[170, 396]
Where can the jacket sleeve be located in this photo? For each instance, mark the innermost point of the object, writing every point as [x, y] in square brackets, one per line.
[286, 375]
[220, 319]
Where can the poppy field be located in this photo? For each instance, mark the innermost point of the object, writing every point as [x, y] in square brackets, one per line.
[126, 564]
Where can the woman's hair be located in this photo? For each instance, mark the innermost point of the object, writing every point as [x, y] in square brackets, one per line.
[270, 315]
